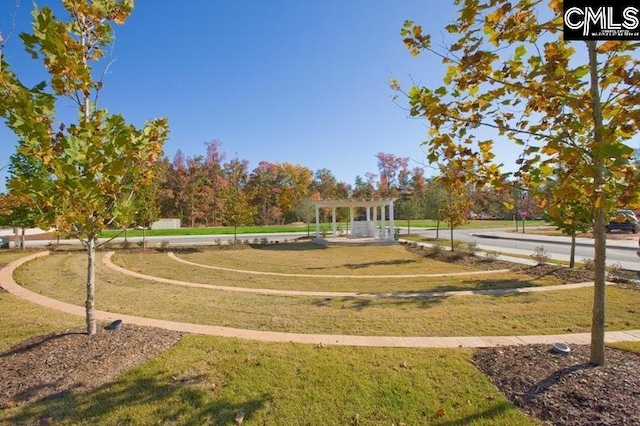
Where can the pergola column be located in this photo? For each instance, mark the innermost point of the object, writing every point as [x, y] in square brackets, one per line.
[392, 228]
[383, 234]
[317, 222]
[333, 222]
[351, 221]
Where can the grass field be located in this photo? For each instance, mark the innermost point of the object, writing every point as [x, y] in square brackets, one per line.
[207, 380]
[62, 276]
[225, 230]
[318, 266]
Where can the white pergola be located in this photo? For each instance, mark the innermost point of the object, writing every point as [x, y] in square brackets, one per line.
[361, 229]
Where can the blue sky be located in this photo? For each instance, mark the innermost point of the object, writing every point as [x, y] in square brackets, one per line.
[304, 82]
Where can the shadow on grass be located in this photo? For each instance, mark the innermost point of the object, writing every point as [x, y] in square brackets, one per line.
[289, 246]
[144, 400]
[485, 416]
[360, 304]
[396, 262]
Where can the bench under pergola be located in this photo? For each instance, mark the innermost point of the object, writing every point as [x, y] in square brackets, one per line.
[375, 207]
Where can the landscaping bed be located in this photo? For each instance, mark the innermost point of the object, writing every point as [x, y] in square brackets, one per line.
[566, 389]
[70, 362]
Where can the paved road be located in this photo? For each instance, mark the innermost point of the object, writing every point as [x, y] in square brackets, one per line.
[623, 252]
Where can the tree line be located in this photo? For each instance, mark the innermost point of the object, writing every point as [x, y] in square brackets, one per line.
[207, 190]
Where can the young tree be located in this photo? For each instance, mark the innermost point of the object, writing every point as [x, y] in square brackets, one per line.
[17, 211]
[93, 166]
[21, 212]
[509, 69]
[432, 202]
[237, 210]
[453, 178]
[147, 203]
[306, 211]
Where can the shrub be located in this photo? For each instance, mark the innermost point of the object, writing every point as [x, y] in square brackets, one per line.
[492, 255]
[618, 274]
[164, 244]
[436, 248]
[540, 255]
[588, 263]
[472, 247]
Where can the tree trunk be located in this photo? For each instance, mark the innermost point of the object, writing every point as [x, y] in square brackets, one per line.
[91, 285]
[600, 236]
[144, 238]
[22, 239]
[451, 231]
[235, 235]
[572, 255]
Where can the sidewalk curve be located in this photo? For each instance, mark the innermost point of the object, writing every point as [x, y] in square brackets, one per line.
[7, 282]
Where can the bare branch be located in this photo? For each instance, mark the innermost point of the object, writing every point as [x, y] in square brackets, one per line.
[5, 40]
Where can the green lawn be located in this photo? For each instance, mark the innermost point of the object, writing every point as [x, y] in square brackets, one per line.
[224, 230]
[220, 230]
[207, 380]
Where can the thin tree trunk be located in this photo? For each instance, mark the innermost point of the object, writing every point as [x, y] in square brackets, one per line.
[22, 239]
[451, 221]
[144, 238]
[600, 236]
[91, 286]
[572, 255]
[451, 231]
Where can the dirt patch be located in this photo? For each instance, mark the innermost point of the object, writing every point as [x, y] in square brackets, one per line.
[566, 389]
[71, 361]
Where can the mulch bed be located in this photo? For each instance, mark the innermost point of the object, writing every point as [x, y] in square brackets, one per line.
[566, 389]
[71, 361]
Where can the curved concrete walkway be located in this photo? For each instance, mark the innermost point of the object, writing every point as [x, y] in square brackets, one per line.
[407, 294]
[7, 282]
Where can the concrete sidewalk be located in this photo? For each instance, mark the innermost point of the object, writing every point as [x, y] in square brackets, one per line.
[7, 282]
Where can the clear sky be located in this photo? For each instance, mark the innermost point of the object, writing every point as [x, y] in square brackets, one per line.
[299, 81]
